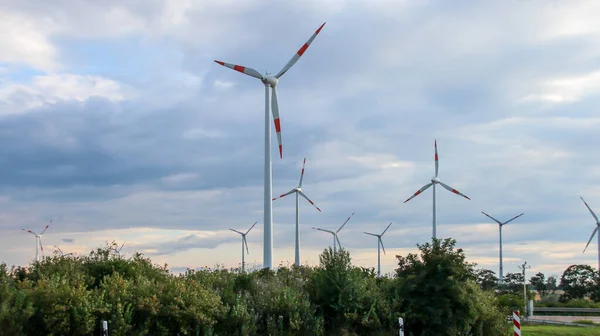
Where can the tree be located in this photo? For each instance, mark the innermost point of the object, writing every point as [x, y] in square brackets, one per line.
[551, 284]
[437, 288]
[577, 281]
[539, 283]
[512, 283]
[486, 279]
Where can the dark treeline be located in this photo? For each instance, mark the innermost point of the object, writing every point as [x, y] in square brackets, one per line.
[435, 291]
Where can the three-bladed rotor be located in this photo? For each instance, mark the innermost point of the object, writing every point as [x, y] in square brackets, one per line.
[272, 81]
[379, 236]
[595, 229]
[335, 233]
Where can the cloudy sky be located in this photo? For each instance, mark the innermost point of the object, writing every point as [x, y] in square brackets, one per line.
[116, 124]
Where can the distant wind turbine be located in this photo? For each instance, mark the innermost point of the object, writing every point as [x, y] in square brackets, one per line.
[435, 180]
[38, 241]
[593, 232]
[118, 251]
[500, 225]
[61, 252]
[270, 81]
[298, 191]
[379, 246]
[244, 243]
[335, 233]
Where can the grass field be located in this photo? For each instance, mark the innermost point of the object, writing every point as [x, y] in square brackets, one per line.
[547, 330]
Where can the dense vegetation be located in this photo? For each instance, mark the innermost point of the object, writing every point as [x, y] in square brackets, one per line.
[435, 292]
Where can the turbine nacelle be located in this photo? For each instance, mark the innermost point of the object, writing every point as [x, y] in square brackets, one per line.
[435, 180]
[269, 80]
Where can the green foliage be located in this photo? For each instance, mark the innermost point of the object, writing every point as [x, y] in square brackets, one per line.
[440, 294]
[71, 296]
[539, 283]
[486, 279]
[578, 281]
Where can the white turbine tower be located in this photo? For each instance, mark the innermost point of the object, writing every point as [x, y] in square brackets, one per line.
[335, 233]
[244, 243]
[270, 81]
[593, 232]
[38, 241]
[500, 225]
[62, 254]
[298, 191]
[435, 180]
[379, 246]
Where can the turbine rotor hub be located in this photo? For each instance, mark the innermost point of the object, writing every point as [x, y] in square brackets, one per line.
[269, 80]
[435, 180]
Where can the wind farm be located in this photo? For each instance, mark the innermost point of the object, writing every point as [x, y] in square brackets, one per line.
[116, 123]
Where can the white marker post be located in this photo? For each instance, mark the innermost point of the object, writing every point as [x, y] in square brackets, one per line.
[401, 323]
[105, 328]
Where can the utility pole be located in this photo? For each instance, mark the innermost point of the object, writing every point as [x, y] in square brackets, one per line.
[523, 268]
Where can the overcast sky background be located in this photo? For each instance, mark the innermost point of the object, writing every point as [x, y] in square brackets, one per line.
[116, 123]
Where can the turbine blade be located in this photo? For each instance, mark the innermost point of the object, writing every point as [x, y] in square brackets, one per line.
[338, 241]
[59, 250]
[302, 174]
[345, 223]
[46, 228]
[328, 231]
[592, 236]
[383, 247]
[237, 231]
[246, 243]
[299, 53]
[275, 111]
[419, 191]
[593, 214]
[250, 228]
[510, 220]
[386, 229]
[308, 199]
[41, 246]
[33, 233]
[371, 234]
[283, 195]
[492, 218]
[242, 69]
[447, 187]
[120, 248]
[437, 162]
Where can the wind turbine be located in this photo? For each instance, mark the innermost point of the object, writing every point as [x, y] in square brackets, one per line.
[435, 180]
[298, 191]
[379, 245]
[500, 225]
[118, 251]
[270, 81]
[38, 241]
[244, 242]
[334, 233]
[593, 232]
[61, 252]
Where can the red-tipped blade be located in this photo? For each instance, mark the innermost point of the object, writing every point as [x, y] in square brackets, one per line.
[299, 53]
[419, 191]
[302, 174]
[437, 162]
[276, 120]
[449, 188]
[242, 69]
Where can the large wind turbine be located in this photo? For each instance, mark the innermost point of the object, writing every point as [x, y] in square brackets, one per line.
[298, 191]
[270, 81]
[38, 241]
[435, 180]
[335, 233]
[244, 242]
[379, 246]
[593, 232]
[500, 225]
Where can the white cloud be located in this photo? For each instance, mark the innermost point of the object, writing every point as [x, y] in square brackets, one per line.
[51, 89]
